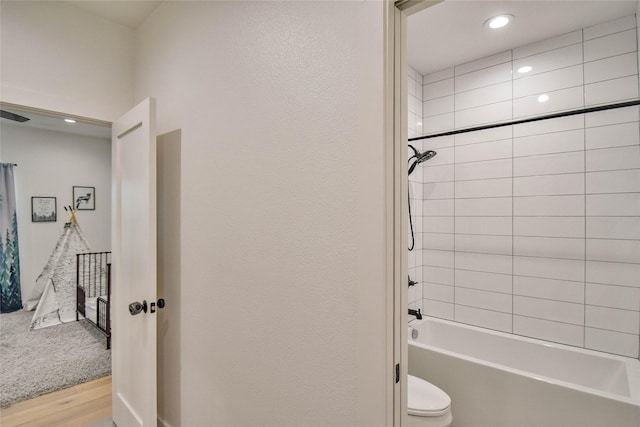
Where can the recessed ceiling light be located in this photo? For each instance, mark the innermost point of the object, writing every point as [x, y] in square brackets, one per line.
[69, 120]
[524, 69]
[498, 21]
[543, 98]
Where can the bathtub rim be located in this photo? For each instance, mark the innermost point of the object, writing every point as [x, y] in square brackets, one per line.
[632, 365]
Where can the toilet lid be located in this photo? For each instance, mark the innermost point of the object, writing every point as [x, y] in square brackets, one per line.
[425, 399]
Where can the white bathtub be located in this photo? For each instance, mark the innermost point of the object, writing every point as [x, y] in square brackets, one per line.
[503, 380]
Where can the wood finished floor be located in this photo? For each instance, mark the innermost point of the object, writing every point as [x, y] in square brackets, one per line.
[76, 406]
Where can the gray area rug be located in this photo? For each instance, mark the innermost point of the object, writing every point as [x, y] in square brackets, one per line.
[41, 361]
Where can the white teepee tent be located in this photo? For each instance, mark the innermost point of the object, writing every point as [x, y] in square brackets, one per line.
[54, 296]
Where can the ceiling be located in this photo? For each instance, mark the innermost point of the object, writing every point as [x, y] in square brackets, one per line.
[55, 123]
[130, 13]
[452, 32]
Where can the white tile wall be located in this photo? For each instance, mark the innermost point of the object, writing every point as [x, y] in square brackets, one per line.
[415, 106]
[549, 60]
[485, 225]
[625, 23]
[545, 128]
[559, 100]
[549, 164]
[415, 110]
[483, 96]
[494, 282]
[534, 228]
[491, 113]
[610, 45]
[613, 296]
[496, 206]
[617, 205]
[548, 185]
[618, 135]
[611, 342]
[548, 330]
[481, 299]
[621, 89]
[565, 312]
[489, 77]
[484, 318]
[571, 226]
[438, 292]
[548, 143]
[611, 68]
[496, 187]
[550, 289]
[438, 241]
[548, 206]
[549, 268]
[549, 247]
[624, 181]
[482, 170]
[500, 149]
[548, 82]
[483, 63]
[483, 262]
[614, 273]
[547, 45]
[498, 245]
[613, 227]
[608, 159]
[436, 258]
[438, 106]
[486, 135]
[437, 89]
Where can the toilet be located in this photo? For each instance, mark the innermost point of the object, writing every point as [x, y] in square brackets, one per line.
[428, 406]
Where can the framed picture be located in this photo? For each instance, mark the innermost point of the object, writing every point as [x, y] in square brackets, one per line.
[84, 198]
[43, 209]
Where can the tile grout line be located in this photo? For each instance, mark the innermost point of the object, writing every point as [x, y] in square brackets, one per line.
[454, 194]
[512, 207]
[584, 142]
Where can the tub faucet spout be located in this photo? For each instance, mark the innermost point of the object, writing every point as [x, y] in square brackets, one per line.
[416, 313]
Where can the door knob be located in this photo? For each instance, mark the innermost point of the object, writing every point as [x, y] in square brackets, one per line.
[137, 307]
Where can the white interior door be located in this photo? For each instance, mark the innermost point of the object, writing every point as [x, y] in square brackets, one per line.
[134, 267]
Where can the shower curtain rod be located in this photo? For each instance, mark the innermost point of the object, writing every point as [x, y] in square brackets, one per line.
[531, 119]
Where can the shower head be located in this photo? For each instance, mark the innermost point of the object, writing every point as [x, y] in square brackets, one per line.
[423, 157]
[419, 157]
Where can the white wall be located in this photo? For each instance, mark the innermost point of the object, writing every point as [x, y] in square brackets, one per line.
[50, 164]
[535, 229]
[58, 57]
[283, 295]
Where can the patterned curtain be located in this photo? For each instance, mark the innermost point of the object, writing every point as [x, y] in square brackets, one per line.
[10, 295]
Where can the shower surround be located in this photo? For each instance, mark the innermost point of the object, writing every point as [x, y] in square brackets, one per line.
[533, 229]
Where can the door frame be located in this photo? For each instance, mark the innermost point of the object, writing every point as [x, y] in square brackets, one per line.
[396, 186]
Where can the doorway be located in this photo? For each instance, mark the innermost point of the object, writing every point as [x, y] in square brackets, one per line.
[51, 156]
